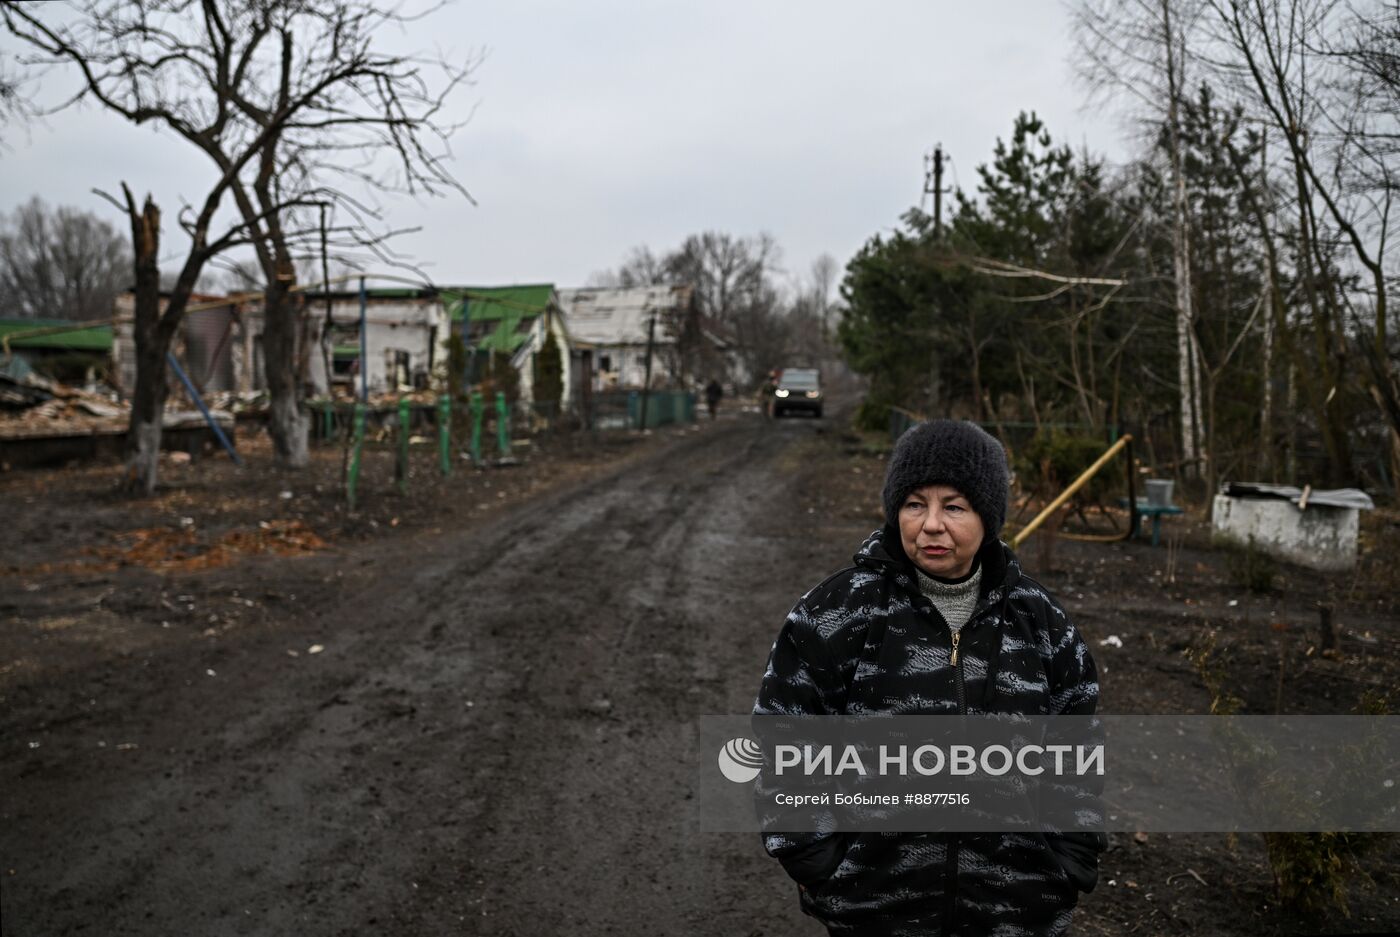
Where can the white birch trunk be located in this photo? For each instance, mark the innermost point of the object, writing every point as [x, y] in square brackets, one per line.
[1187, 377]
[143, 458]
[290, 426]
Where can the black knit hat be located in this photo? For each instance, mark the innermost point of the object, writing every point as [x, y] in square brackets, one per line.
[950, 452]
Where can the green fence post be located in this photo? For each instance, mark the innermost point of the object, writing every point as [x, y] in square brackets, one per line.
[401, 467]
[476, 428]
[502, 428]
[445, 433]
[356, 444]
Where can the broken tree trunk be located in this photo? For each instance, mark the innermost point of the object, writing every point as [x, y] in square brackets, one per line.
[153, 335]
[287, 419]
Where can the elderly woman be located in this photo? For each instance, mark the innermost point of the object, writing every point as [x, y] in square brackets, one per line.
[935, 617]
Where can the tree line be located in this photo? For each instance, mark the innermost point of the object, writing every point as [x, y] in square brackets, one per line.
[61, 263]
[1224, 293]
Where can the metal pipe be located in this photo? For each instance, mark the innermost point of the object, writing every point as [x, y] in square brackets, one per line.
[1065, 495]
[364, 344]
[199, 402]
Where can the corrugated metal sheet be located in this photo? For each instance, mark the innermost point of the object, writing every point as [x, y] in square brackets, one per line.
[61, 337]
[500, 318]
[494, 303]
[204, 332]
[619, 316]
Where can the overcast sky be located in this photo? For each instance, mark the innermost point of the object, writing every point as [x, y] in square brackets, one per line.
[602, 125]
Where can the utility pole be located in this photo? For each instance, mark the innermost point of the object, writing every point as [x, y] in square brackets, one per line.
[933, 183]
[646, 384]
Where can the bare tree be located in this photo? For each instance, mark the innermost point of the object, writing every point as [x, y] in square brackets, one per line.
[328, 107]
[134, 67]
[736, 296]
[735, 291]
[15, 106]
[732, 276]
[61, 263]
[293, 104]
[1306, 72]
[1140, 47]
[152, 333]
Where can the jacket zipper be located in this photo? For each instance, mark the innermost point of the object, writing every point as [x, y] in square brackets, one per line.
[958, 675]
[954, 842]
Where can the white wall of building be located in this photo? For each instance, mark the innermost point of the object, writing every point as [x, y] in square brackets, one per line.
[392, 325]
[524, 358]
[1320, 537]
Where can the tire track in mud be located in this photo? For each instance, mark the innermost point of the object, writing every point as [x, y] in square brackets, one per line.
[492, 743]
[592, 655]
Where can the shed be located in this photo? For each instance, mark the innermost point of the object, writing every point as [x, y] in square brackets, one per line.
[1316, 529]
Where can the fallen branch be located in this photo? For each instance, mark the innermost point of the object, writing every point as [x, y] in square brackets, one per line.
[1002, 268]
[1190, 872]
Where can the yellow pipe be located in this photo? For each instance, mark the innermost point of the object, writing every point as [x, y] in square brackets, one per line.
[1065, 495]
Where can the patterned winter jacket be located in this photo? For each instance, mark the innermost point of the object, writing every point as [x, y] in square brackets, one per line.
[867, 640]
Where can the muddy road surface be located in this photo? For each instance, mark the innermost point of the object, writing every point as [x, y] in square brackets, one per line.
[477, 720]
[492, 739]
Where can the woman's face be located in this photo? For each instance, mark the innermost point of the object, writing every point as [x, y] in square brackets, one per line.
[940, 531]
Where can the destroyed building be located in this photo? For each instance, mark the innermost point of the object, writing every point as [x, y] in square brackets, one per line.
[613, 325]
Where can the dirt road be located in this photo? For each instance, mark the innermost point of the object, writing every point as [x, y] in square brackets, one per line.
[491, 741]
[483, 730]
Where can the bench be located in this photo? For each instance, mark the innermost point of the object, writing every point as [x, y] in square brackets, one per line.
[1154, 511]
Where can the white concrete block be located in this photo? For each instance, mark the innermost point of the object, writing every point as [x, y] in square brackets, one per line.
[1319, 537]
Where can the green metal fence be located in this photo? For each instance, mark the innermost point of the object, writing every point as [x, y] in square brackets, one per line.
[662, 407]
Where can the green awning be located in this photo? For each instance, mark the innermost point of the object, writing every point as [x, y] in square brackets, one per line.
[55, 334]
[498, 317]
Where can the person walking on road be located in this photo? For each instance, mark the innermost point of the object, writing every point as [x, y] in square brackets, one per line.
[713, 393]
[766, 392]
[935, 617]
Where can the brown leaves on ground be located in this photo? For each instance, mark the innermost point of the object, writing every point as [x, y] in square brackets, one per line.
[181, 549]
[166, 549]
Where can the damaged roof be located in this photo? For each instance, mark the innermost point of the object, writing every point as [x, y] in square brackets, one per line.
[607, 316]
[55, 333]
[498, 317]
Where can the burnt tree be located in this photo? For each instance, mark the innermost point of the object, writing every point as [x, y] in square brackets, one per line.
[152, 333]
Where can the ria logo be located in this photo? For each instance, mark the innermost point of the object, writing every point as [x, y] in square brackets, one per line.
[740, 760]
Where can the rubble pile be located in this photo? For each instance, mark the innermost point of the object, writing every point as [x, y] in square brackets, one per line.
[33, 405]
[234, 401]
[379, 401]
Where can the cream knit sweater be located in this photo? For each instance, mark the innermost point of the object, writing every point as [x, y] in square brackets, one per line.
[955, 600]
